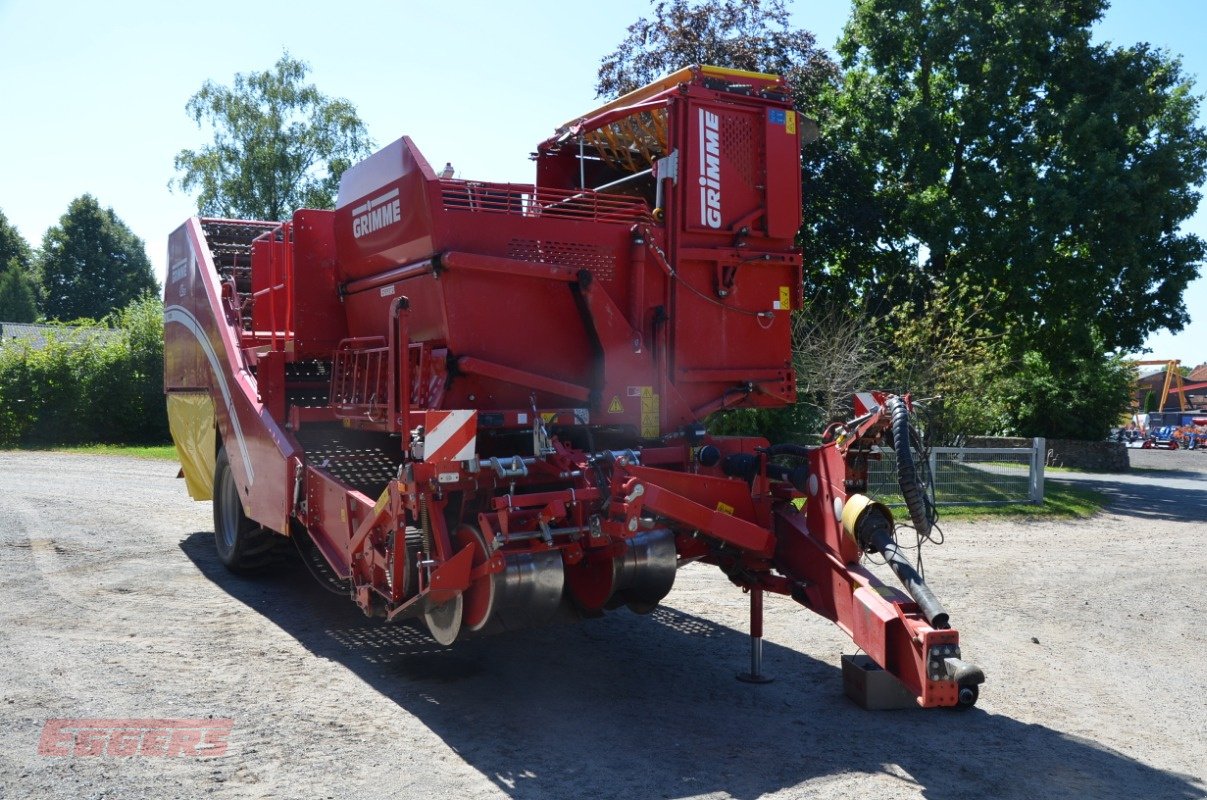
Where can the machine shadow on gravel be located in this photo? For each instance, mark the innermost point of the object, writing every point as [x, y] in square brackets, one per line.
[637, 706]
[1182, 499]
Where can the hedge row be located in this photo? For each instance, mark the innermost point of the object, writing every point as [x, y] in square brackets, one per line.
[87, 389]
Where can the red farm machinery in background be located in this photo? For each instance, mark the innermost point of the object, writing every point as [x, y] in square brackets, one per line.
[481, 403]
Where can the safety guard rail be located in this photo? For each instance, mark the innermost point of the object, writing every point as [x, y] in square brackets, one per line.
[527, 200]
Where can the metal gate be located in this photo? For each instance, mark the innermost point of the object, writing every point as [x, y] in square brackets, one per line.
[969, 475]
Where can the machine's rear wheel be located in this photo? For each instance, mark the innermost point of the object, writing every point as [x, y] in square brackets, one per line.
[243, 545]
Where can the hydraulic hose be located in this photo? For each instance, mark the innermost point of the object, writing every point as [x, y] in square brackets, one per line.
[878, 537]
[789, 450]
[907, 474]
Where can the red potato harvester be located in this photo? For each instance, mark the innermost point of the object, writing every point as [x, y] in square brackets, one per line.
[480, 404]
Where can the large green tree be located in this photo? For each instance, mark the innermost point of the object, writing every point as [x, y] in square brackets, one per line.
[13, 247]
[18, 294]
[996, 143]
[91, 263]
[279, 145]
[18, 302]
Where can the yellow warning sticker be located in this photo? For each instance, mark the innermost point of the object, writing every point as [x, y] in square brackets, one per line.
[548, 416]
[381, 501]
[615, 406]
[785, 298]
[650, 421]
[790, 122]
[724, 508]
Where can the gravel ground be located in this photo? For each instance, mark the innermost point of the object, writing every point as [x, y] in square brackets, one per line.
[113, 605]
[1173, 460]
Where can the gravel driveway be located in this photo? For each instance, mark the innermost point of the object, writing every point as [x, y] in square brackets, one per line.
[113, 605]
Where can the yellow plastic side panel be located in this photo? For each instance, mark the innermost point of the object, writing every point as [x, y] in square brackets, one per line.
[191, 420]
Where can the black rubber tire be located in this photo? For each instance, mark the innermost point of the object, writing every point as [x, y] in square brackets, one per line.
[967, 697]
[907, 474]
[243, 545]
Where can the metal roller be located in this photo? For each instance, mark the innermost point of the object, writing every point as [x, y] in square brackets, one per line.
[639, 578]
[647, 570]
[526, 593]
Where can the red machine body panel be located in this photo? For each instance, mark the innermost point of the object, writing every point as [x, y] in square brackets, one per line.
[384, 216]
[260, 448]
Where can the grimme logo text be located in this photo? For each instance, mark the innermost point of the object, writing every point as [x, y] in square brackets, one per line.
[375, 214]
[710, 169]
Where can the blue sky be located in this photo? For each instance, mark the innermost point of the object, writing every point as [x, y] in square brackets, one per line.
[92, 94]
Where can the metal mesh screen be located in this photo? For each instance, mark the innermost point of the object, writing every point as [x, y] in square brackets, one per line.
[962, 476]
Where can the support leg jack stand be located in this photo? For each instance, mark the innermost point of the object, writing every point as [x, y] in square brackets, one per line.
[756, 640]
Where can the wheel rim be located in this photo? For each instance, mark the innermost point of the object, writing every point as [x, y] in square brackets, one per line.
[444, 621]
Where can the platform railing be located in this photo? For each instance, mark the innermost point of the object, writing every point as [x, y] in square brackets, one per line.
[360, 374]
[527, 200]
[279, 290]
[371, 375]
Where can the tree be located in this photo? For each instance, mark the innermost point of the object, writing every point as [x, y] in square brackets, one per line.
[279, 145]
[13, 247]
[837, 351]
[943, 355]
[18, 293]
[995, 143]
[17, 300]
[1082, 400]
[743, 34]
[91, 264]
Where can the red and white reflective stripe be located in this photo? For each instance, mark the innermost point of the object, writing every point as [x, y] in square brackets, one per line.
[450, 435]
[865, 402]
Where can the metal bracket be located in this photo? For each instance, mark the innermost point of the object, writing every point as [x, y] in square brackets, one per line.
[665, 167]
[936, 661]
[515, 468]
[668, 167]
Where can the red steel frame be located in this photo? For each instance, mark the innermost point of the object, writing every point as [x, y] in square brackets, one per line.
[609, 296]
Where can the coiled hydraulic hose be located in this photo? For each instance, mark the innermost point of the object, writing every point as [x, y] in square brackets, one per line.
[907, 474]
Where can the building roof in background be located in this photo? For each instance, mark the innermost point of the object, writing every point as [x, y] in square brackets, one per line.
[36, 335]
[1199, 373]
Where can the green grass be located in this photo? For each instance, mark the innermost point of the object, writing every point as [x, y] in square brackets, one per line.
[961, 481]
[1060, 501]
[162, 452]
[1026, 467]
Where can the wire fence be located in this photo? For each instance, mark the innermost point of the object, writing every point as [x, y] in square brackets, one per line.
[968, 475]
